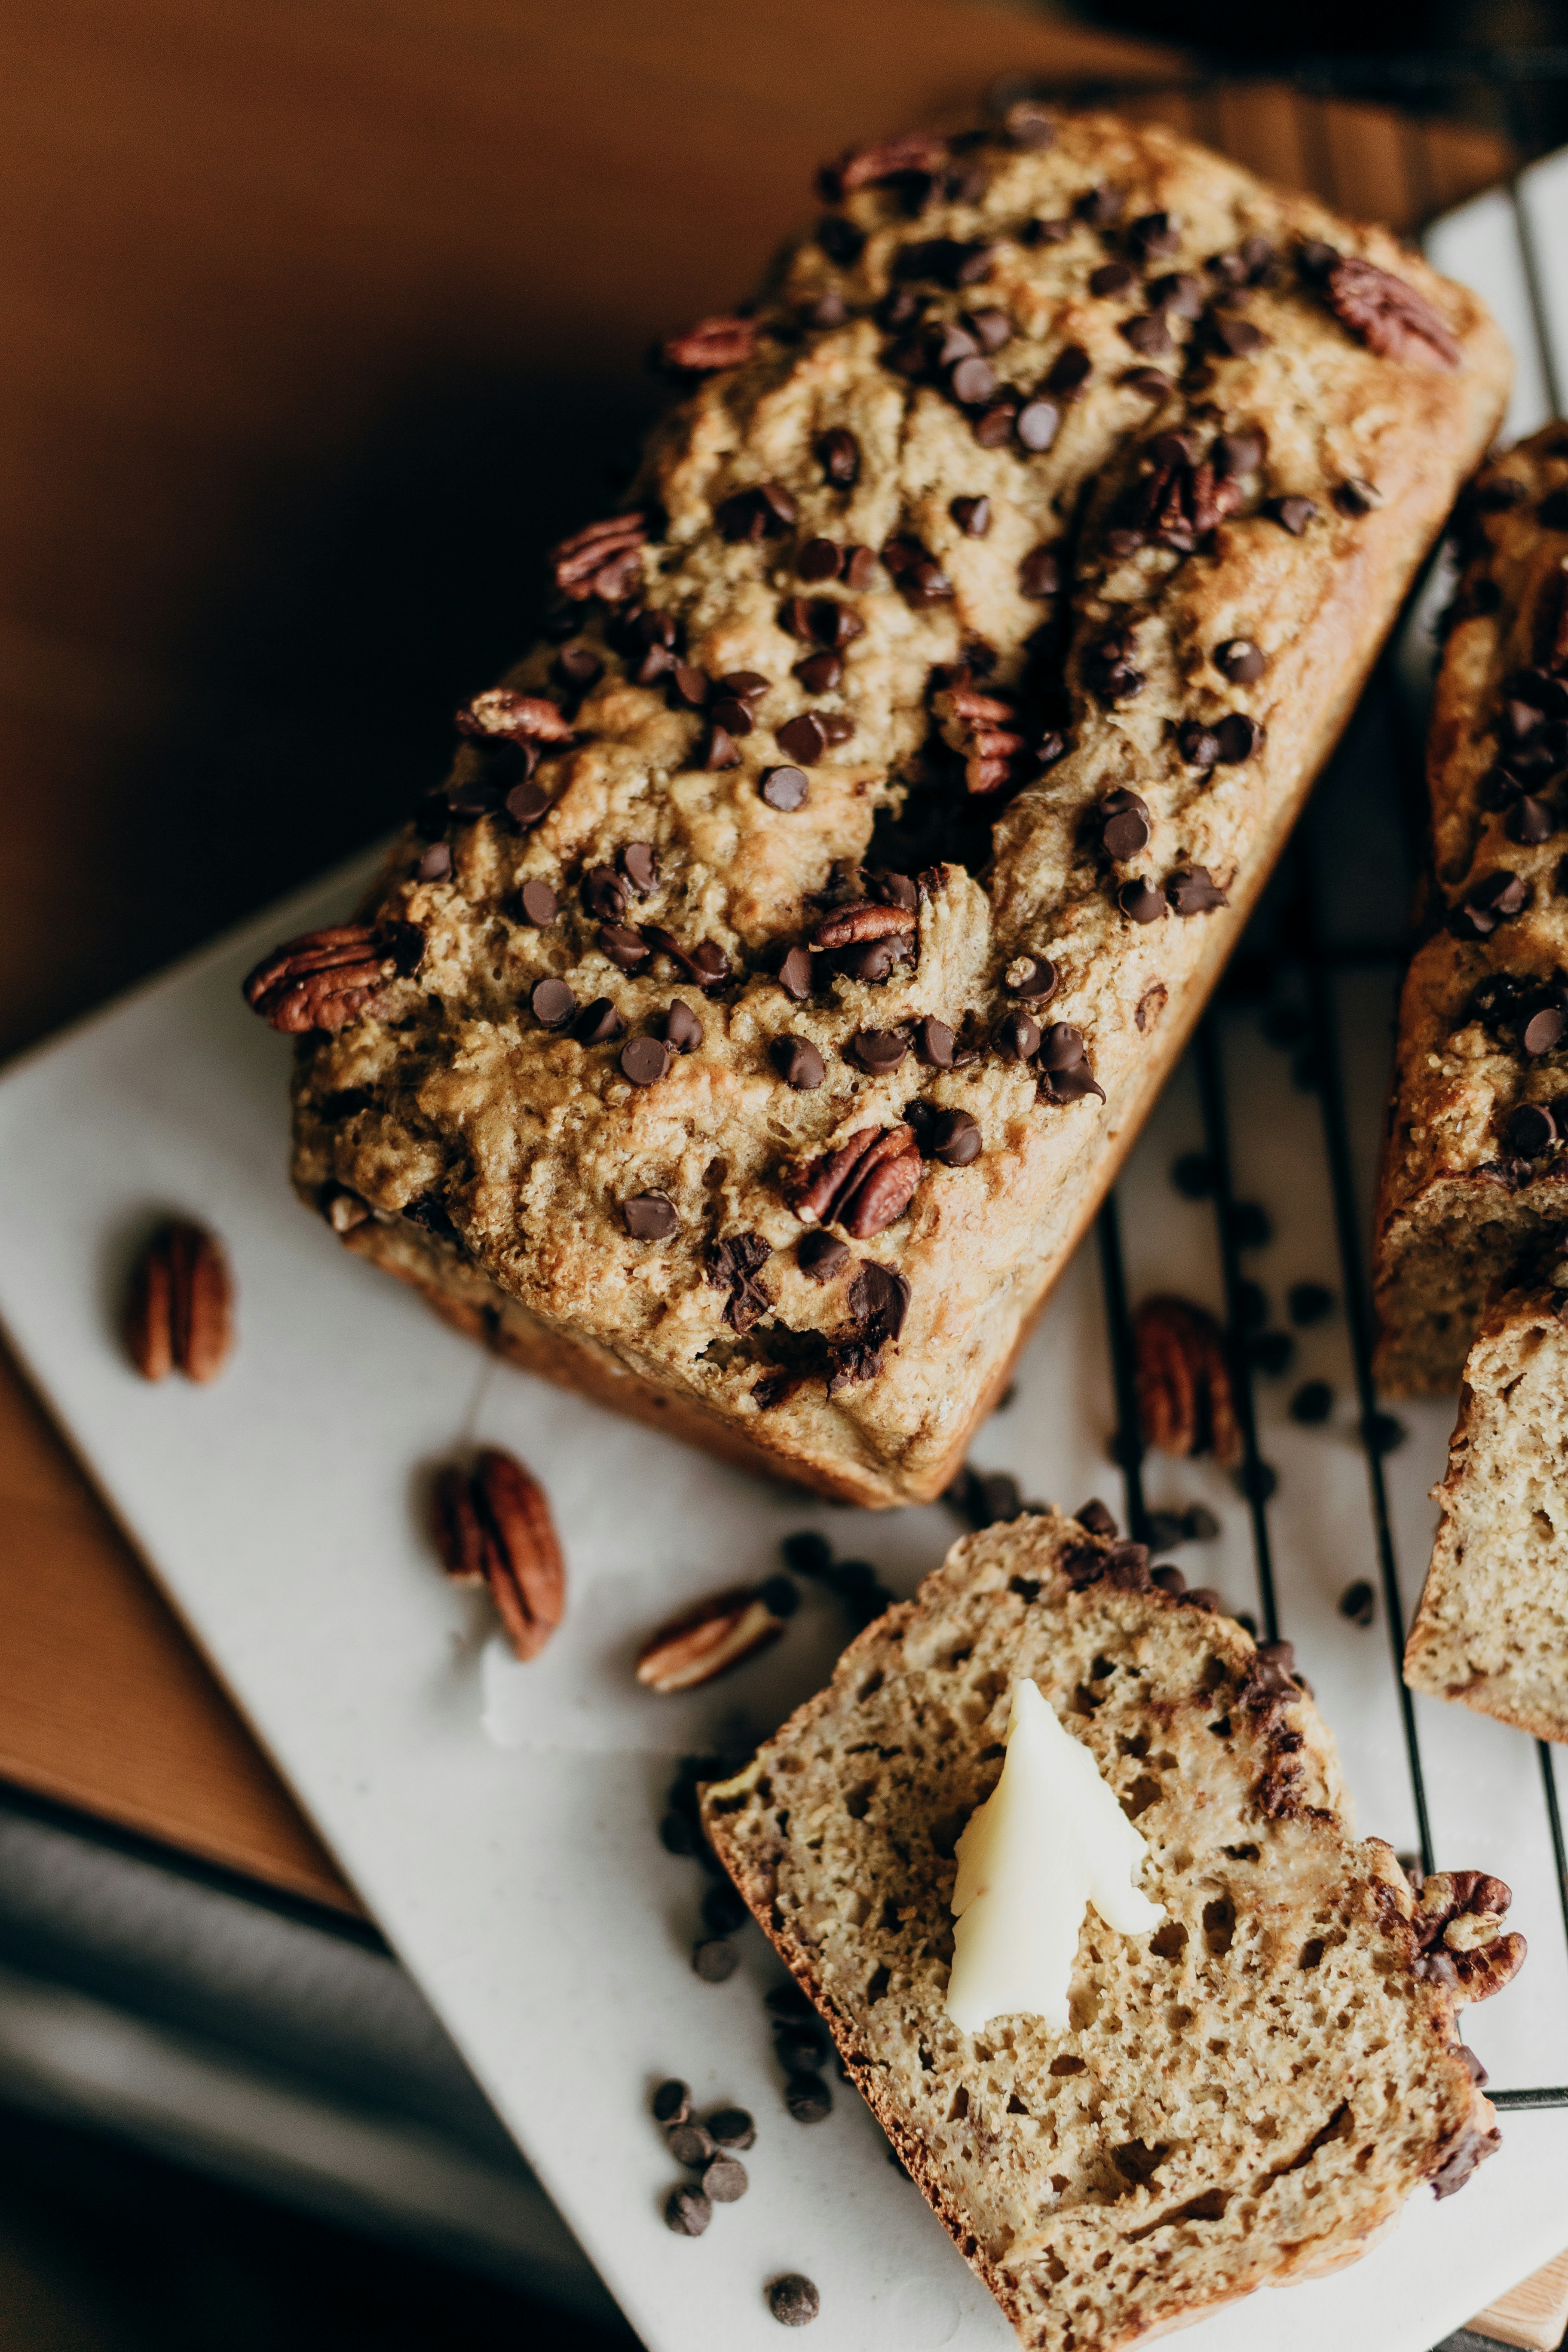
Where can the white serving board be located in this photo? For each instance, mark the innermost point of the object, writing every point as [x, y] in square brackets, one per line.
[500, 1822]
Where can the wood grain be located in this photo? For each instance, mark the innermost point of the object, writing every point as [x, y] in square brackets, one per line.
[322, 322]
[1534, 2314]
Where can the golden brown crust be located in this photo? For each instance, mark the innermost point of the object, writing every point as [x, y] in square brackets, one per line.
[449, 1100]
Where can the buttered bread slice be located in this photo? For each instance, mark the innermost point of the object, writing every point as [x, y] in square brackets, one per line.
[1242, 2096]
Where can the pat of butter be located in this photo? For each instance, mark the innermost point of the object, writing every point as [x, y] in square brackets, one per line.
[1048, 1840]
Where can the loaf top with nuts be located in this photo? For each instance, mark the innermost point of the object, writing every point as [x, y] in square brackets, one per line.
[1472, 1175]
[807, 920]
[1241, 2098]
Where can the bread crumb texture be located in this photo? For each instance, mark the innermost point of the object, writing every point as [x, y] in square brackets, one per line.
[1043, 486]
[1244, 2097]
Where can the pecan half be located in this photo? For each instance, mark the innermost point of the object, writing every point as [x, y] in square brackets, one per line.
[326, 978]
[889, 158]
[1458, 1919]
[492, 1525]
[710, 344]
[179, 1314]
[709, 1640]
[861, 921]
[523, 718]
[1388, 316]
[863, 1185]
[983, 730]
[1186, 1405]
[601, 560]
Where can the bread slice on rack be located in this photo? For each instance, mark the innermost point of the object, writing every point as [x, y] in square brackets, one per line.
[1245, 2096]
[1492, 1627]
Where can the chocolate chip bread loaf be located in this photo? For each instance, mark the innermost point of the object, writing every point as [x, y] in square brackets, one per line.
[1473, 1177]
[748, 1030]
[1245, 2098]
[1492, 1627]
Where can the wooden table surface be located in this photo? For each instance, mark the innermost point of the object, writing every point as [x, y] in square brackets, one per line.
[322, 319]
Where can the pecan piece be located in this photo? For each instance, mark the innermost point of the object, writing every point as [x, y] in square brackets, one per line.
[1458, 1919]
[520, 717]
[1186, 1405]
[179, 1313]
[710, 344]
[889, 158]
[863, 1185]
[1388, 316]
[983, 730]
[492, 1525]
[326, 978]
[861, 921]
[733, 1265]
[712, 1639]
[601, 560]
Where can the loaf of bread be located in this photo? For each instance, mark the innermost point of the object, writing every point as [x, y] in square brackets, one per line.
[1492, 1627]
[1245, 2098]
[749, 1029]
[1474, 1182]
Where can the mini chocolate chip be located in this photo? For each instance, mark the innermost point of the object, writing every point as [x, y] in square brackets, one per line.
[526, 803]
[436, 864]
[1147, 333]
[1039, 573]
[687, 2213]
[1238, 453]
[819, 673]
[1142, 901]
[972, 516]
[1148, 383]
[808, 2098]
[671, 2102]
[1530, 821]
[733, 2126]
[1033, 979]
[798, 1063]
[1543, 1031]
[1018, 1037]
[690, 685]
[651, 1216]
[1101, 207]
[1238, 737]
[876, 1050]
[1292, 514]
[1038, 421]
[795, 974]
[859, 567]
[725, 2181]
[715, 1959]
[972, 382]
[934, 1044]
[819, 558]
[623, 946]
[953, 342]
[991, 328]
[1111, 278]
[839, 452]
[784, 789]
[720, 751]
[644, 1061]
[1153, 236]
[794, 2300]
[1198, 744]
[554, 1003]
[1241, 660]
[1181, 294]
[1358, 1602]
[730, 717]
[1044, 232]
[1354, 497]
[598, 1022]
[955, 1140]
[690, 2143]
[1530, 1130]
[994, 427]
[821, 1254]
[1068, 372]
[803, 738]
[1237, 338]
[539, 904]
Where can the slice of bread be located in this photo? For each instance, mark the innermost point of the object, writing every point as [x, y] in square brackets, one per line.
[1492, 1627]
[1245, 2096]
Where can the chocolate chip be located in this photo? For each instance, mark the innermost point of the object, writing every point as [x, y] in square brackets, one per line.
[1034, 979]
[1101, 207]
[1312, 1404]
[1553, 510]
[795, 974]
[803, 738]
[1181, 294]
[1530, 821]
[1148, 334]
[1308, 1303]
[578, 667]
[792, 2299]
[819, 673]
[955, 1140]
[671, 2102]
[1142, 901]
[1543, 1031]
[651, 1216]
[687, 2213]
[859, 567]
[842, 242]
[690, 2143]
[819, 558]
[894, 890]
[725, 2181]
[1314, 259]
[1354, 497]
[1125, 830]
[1110, 279]
[1197, 892]
[715, 1959]
[1153, 236]
[720, 751]
[878, 1051]
[1238, 737]
[1148, 383]
[690, 685]
[1038, 421]
[1530, 1130]
[798, 1063]
[972, 382]
[1068, 372]
[1061, 1047]
[730, 717]
[1044, 232]
[991, 328]
[538, 903]
[603, 892]
[1292, 514]
[972, 516]
[526, 803]
[808, 2098]
[1018, 1037]
[1237, 338]
[1039, 573]
[554, 1003]
[840, 457]
[624, 946]
[1238, 453]
[800, 2047]
[1198, 744]
[598, 1022]
[733, 2126]
[784, 789]
[745, 685]
[1241, 660]
[993, 428]
[821, 1255]
[644, 1061]
[436, 864]
[934, 1044]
